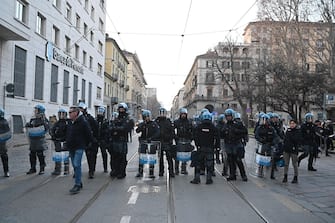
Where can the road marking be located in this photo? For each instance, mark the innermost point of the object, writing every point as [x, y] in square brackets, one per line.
[125, 219]
[133, 197]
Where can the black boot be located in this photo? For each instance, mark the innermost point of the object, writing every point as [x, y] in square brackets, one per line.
[196, 179]
[140, 171]
[272, 174]
[285, 178]
[4, 159]
[295, 180]
[183, 168]
[32, 159]
[41, 159]
[66, 168]
[176, 167]
[209, 177]
[104, 161]
[151, 172]
[57, 170]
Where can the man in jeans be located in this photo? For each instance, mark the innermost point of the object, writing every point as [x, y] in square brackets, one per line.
[77, 138]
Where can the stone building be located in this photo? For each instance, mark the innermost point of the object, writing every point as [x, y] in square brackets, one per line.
[52, 53]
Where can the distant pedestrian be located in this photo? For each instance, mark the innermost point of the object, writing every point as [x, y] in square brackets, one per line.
[78, 136]
[37, 127]
[5, 134]
[292, 141]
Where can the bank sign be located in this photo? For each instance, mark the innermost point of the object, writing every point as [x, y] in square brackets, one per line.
[52, 53]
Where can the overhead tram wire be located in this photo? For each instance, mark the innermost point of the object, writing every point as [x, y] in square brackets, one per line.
[238, 21]
[117, 32]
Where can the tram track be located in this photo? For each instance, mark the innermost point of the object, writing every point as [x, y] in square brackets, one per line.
[244, 198]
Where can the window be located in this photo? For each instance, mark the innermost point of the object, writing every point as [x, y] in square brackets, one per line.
[75, 90]
[83, 89]
[245, 65]
[55, 35]
[66, 87]
[56, 3]
[84, 57]
[89, 95]
[99, 69]
[91, 63]
[102, 4]
[68, 12]
[100, 47]
[92, 36]
[209, 63]
[210, 77]
[39, 78]
[85, 29]
[40, 24]
[54, 83]
[319, 44]
[78, 22]
[21, 11]
[236, 65]
[92, 13]
[67, 44]
[76, 51]
[225, 92]
[101, 25]
[209, 92]
[86, 5]
[20, 71]
[98, 92]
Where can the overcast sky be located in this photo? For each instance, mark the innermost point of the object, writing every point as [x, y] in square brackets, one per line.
[167, 35]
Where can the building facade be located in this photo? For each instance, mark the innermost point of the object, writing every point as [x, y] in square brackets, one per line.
[52, 53]
[136, 96]
[116, 67]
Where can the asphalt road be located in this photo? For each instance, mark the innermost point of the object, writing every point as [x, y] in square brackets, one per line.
[46, 198]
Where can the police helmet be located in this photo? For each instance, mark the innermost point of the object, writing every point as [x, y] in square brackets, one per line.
[237, 115]
[206, 116]
[62, 113]
[101, 111]
[122, 105]
[2, 113]
[265, 116]
[309, 116]
[162, 111]
[221, 117]
[270, 114]
[203, 111]
[260, 115]
[115, 115]
[40, 109]
[275, 115]
[146, 113]
[183, 111]
[82, 105]
[229, 112]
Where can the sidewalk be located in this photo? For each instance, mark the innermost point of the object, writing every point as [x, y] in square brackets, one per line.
[315, 190]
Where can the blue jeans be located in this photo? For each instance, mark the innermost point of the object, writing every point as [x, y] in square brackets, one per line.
[76, 157]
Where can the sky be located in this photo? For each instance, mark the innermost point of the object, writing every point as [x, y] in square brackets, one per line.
[167, 35]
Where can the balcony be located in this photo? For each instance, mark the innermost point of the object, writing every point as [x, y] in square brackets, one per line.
[127, 87]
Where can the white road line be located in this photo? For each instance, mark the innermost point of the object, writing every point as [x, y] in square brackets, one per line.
[133, 197]
[125, 219]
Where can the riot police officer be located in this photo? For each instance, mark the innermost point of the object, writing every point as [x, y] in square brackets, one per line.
[5, 134]
[184, 135]
[58, 135]
[206, 138]
[92, 149]
[220, 124]
[102, 135]
[166, 139]
[232, 133]
[149, 131]
[309, 141]
[266, 135]
[37, 127]
[119, 129]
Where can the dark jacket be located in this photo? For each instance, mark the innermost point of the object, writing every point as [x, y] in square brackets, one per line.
[119, 129]
[233, 132]
[308, 131]
[4, 126]
[78, 134]
[266, 134]
[58, 130]
[149, 131]
[292, 140]
[206, 135]
[166, 130]
[184, 129]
